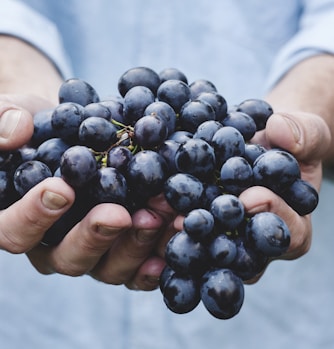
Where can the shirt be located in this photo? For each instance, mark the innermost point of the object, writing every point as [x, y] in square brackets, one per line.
[244, 47]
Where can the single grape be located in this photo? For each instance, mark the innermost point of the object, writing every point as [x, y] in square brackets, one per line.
[258, 109]
[172, 74]
[222, 251]
[228, 212]
[217, 102]
[8, 195]
[236, 175]
[150, 131]
[115, 108]
[29, 174]
[301, 196]
[197, 158]
[168, 151]
[222, 293]
[183, 192]
[78, 166]
[186, 256]
[138, 76]
[180, 136]
[181, 294]
[119, 157]
[268, 233]
[199, 86]
[242, 122]
[194, 113]
[175, 93]
[253, 151]
[66, 119]
[97, 133]
[97, 110]
[135, 102]
[199, 224]
[77, 91]
[207, 129]
[276, 169]
[43, 129]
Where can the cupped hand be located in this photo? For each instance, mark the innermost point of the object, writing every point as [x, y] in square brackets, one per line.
[107, 243]
[307, 137]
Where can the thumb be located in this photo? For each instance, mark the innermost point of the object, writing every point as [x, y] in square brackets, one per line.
[305, 135]
[16, 119]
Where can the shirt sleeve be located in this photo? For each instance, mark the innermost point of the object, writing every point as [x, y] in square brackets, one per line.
[19, 20]
[315, 36]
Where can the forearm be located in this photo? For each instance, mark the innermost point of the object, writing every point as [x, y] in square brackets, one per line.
[25, 70]
[308, 87]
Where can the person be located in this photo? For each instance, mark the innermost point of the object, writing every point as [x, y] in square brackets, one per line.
[286, 57]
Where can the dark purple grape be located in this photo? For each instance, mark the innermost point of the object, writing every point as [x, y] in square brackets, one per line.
[166, 273]
[181, 294]
[253, 151]
[301, 196]
[248, 263]
[186, 256]
[97, 110]
[164, 111]
[78, 166]
[222, 293]
[268, 233]
[77, 91]
[150, 131]
[8, 195]
[228, 212]
[199, 86]
[50, 152]
[146, 173]
[276, 170]
[97, 133]
[258, 109]
[217, 102]
[66, 119]
[172, 74]
[116, 110]
[138, 76]
[135, 102]
[119, 157]
[175, 93]
[183, 192]
[197, 158]
[222, 251]
[236, 175]
[168, 151]
[210, 192]
[207, 129]
[199, 224]
[109, 186]
[242, 122]
[29, 174]
[227, 142]
[43, 129]
[194, 113]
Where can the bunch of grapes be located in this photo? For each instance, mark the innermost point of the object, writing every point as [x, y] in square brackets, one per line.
[161, 134]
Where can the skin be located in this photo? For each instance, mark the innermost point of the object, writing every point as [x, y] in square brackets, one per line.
[108, 243]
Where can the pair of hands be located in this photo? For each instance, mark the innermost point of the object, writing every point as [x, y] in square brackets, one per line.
[116, 248]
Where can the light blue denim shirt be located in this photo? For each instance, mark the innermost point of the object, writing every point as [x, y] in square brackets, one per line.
[243, 47]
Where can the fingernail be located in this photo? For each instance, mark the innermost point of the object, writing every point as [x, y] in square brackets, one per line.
[108, 230]
[53, 201]
[9, 121]
[293, 126]
[146, 235]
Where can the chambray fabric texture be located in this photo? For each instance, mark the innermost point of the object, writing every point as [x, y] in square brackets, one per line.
[244, 47]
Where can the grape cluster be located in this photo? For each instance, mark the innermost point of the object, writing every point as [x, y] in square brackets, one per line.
[163, 134]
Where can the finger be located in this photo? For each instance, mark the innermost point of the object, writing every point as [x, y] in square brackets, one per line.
[131, 249]
[85, 244]
[259, 199]
[16, 127]
[23, 224]
[148, 275]
[16, 118]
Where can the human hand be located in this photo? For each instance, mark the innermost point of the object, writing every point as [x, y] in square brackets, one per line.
[307, 137]
[108, 243]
